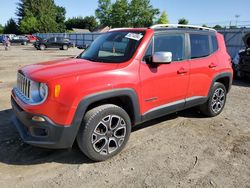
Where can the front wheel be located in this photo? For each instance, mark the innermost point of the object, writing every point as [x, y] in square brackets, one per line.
[104, 132]
[216, 101]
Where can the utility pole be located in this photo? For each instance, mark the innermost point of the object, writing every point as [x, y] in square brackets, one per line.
[236, 19]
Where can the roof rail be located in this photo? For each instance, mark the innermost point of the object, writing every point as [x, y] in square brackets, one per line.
[181, 25]
[121, 28]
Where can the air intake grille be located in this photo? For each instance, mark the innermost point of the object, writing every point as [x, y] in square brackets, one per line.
[23, 85]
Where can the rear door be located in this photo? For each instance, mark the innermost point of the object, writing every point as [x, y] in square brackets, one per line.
[51, 42]
[165, 84]
[59, 42]
[203, 63]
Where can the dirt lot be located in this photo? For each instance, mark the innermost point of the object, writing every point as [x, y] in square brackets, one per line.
[181, 150]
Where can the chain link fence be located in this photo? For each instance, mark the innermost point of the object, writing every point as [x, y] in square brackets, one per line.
[233, 39]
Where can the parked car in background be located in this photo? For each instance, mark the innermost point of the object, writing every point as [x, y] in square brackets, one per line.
[10, 36]
[19, 39]
[54, 42]
[241, 62]
[83, 46]
[31, 38]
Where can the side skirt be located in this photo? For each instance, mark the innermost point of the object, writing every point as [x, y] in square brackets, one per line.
[173, 107]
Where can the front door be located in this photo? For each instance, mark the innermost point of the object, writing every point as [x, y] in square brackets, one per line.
[164, 86]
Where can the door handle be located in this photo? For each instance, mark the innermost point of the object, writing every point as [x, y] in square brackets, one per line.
[212, 65]
[182, 71]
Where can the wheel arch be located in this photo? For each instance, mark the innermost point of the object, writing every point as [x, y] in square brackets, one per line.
[225, 78]
[125, 98]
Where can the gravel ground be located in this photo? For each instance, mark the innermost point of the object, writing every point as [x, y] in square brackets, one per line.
[180, 150]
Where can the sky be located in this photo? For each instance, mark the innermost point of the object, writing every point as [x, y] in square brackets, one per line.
[210, 12]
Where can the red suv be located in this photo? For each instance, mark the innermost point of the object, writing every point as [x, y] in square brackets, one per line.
[126, 77]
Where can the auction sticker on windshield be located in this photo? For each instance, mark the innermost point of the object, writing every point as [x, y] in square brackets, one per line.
[134, 36]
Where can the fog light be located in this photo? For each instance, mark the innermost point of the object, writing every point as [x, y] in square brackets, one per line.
[38, 119]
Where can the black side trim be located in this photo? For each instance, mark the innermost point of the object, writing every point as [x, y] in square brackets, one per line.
[194, 101]
[90, 99]
[219, 76]
[163, 110]
[173, 107]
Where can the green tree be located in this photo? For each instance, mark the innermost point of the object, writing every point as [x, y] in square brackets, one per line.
[60, 18]
[163, 18]
[11, 27]
[1, 29]
[217, 27]
[183, 21]
[103, 12]
[43, 14]
[204, 25]
[88, 22]
[142, 13]
[29, 24]
[119, 14]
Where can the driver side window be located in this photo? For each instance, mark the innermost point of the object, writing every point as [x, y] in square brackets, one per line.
[174, 43]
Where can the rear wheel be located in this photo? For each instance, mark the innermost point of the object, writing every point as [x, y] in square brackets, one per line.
[104, 132]
[216, 101]
[42, 47]
[65, 47]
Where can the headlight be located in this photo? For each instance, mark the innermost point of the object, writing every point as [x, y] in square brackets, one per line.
[43, 90]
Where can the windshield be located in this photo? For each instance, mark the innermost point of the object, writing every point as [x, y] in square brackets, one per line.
[113, 47]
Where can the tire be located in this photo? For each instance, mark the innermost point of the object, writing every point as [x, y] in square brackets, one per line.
[42, 47]
[65, 47]
[216, 101]
[104, 132]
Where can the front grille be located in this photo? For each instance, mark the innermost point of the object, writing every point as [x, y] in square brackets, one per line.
[23, 85]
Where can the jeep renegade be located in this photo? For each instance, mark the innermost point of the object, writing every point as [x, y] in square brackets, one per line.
[125, 77]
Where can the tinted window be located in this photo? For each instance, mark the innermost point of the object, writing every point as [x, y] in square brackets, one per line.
[199, 45]
[52, 39]
[170, 43]
[214, 43]
[58, 39]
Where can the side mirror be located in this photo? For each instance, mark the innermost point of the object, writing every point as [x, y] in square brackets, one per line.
[162, 57]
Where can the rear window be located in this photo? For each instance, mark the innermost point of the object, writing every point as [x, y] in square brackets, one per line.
[199, 46]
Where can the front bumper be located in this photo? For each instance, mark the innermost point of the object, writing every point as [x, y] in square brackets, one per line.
[44, 134]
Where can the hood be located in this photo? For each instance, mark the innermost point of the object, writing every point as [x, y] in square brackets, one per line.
[246, 40]
[44, 72]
